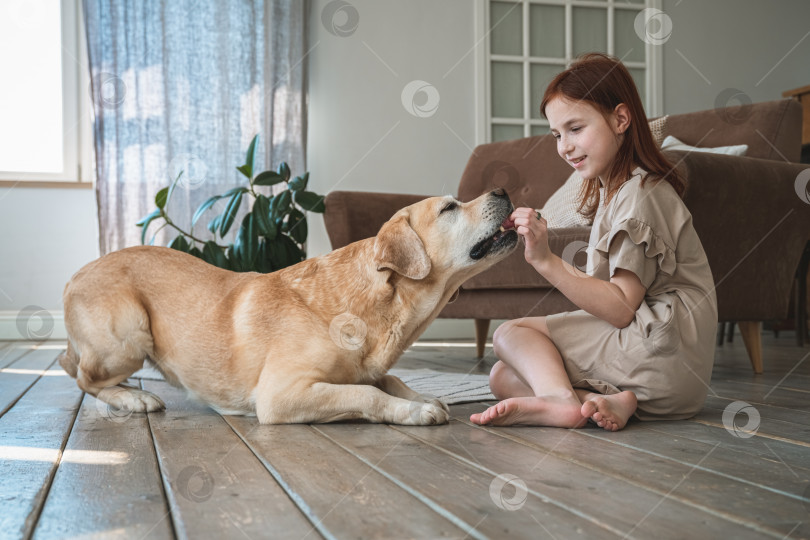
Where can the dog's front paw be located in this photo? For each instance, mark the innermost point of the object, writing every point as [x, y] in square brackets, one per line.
[436, 401]
[427, 414]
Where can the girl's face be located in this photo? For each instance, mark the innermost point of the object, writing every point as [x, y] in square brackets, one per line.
[585, 139]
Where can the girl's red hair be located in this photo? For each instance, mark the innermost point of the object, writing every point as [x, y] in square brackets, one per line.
[604, 82]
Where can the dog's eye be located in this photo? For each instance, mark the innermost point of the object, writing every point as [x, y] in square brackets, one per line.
[449, 206]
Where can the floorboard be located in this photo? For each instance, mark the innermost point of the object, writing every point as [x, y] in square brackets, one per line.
[70, 467]
[32, 437]
[422, 468]
[109, 460]
[216, 487]
[617, 505]
[341, 495]
[19, 376]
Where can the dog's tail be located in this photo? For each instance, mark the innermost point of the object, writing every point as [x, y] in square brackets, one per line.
[69, 360]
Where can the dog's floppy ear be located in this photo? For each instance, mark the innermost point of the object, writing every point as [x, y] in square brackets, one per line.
[399, 248]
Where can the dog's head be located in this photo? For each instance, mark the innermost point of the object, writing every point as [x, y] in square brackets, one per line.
[443, 237]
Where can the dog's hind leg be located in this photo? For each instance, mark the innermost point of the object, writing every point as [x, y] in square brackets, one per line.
[108, 387]
[101, 359]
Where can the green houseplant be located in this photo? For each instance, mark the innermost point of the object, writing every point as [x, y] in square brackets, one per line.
[271, 236]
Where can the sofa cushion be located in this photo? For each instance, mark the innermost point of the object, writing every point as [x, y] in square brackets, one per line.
[515, 273]
[671, 143]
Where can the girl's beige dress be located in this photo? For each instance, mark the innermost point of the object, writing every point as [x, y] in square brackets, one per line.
[665, 355]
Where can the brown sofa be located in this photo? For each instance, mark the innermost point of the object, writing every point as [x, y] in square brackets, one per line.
[750, 220]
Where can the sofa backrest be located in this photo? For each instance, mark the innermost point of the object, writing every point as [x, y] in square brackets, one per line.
[531, 171]
[772, 129]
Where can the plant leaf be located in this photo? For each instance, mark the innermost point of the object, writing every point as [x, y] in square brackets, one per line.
[284, 200]
[249, 158]
[262, 264]
[284, 170]
[294, 253]
[180, 244]
[310, 201]
[145, 224]
[261, 214]
[248, 240]
[160, 197]
[213, 225]
[214, 254]
[244, 170]
[267, 178]
[298, 226]
[297, 184]
[152, 215]
[171, 188]
[203, 207]
[230, 213]
[232, 192]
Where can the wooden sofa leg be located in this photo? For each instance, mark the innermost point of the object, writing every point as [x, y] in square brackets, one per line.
[481, 333]
[752, 337]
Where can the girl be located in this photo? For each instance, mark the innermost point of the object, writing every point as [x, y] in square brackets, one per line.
[643, 341]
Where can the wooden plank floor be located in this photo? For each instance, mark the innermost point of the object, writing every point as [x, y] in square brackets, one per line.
[70, 467]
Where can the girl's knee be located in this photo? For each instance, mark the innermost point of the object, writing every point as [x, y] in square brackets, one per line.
[496, 379]
[501, 337]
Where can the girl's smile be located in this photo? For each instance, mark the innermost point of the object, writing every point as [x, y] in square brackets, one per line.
[585, 139]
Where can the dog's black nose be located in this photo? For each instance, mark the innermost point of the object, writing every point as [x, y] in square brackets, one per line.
[499, 192]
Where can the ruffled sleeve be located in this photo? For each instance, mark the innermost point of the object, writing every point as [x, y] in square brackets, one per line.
[633, 245]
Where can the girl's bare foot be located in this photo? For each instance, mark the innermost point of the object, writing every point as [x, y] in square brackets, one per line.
[610, 412]
[534, 411]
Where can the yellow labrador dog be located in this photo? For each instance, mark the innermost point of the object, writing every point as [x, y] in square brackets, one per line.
[309, 343]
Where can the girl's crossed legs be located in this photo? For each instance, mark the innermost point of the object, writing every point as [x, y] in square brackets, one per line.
[532, 383]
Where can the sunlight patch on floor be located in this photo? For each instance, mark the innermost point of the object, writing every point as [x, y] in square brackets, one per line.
[85, 457]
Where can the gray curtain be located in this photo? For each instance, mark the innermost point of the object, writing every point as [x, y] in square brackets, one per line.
[184, 85]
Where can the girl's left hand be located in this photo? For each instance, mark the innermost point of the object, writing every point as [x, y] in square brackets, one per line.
[535, 235]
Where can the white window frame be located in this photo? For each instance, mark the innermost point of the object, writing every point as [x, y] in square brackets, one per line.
[483, 125]
[76, 112]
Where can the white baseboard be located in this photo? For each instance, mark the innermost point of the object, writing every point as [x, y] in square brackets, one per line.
[50, 324]
[32, 325]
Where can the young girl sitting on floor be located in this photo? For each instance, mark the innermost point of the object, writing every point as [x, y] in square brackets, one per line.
[643, 341]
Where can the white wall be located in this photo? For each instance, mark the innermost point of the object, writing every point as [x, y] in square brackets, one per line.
[47, 235]
[360, 135]
[760, 48]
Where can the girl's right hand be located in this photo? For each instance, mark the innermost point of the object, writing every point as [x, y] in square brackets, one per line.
[534, 230]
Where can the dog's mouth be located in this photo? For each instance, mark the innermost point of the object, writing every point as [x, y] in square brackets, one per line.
[505, 237]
